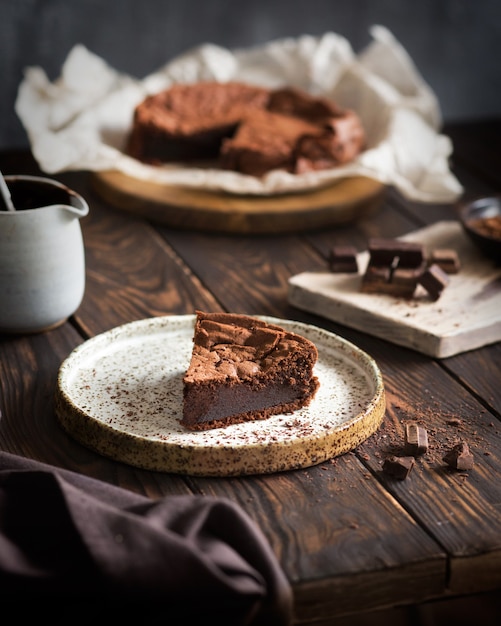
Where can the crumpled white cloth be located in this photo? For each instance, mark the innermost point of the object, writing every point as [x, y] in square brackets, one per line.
[82, 119]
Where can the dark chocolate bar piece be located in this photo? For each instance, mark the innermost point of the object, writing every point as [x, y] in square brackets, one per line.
[398, 467]
[459, 457]
[404, 281]
[399, 282]
[416, 439]
[343, 259]
[434, 280]
[376, 280]
[384, 251]
[446, 258]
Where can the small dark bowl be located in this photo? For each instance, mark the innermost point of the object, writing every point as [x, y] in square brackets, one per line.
[481, 209]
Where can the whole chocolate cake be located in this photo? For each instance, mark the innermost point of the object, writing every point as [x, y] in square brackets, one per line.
[245, 128]
[244, 369]
[189, 121]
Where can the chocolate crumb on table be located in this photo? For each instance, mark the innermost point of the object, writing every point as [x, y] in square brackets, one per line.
[459, 457]
[416, 439]
[398, 467]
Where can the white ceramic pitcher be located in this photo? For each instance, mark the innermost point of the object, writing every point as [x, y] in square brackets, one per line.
[42, 260]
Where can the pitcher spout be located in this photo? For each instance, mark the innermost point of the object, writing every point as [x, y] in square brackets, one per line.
[30, 193]
[77, 207]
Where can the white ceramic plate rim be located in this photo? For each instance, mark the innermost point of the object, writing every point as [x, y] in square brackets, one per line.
[351, 387]
[361, 368]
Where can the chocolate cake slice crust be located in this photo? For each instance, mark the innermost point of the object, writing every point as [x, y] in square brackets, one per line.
[245, 369]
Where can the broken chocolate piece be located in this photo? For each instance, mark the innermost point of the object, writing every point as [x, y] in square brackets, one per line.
[343, 259]
[398, 467]
[394, 267]
[447, 259]
[404, 281]
[375, 279]
[416, 439]
[459, 457]
[434, 280]
[384, 251]
[398, 282]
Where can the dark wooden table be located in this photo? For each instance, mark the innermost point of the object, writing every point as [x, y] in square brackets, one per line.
[349, 538]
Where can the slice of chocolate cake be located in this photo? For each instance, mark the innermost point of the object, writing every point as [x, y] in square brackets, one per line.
[245, 369]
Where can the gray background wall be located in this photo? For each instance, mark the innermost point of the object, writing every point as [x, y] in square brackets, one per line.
[456, 44]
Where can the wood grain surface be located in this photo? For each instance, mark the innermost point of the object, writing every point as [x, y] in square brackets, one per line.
[349, 537]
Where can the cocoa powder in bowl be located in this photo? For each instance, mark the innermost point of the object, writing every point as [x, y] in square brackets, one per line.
[487, 226]
[481, 220]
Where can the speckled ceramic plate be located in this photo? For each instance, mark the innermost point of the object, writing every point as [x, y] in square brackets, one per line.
[120, 393]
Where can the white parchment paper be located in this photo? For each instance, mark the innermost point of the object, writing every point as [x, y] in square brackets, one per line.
[82, 119]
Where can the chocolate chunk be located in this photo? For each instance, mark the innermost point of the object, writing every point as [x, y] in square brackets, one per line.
[404, 281]
[398, 467]
[384, 251]
[434, 280]
[398, 282]
[376, 280]
[447, 259]
[343, 259]
[460, 457]
[416, 439]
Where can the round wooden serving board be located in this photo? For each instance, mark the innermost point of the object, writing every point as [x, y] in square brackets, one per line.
[121, 394]
[218, 211]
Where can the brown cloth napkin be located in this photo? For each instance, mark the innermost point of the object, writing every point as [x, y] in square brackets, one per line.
[70, 540]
